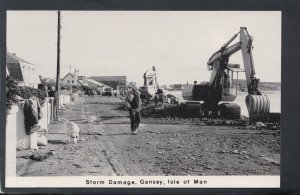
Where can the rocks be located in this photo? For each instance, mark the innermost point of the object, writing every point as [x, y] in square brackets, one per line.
[260, 125]
[276, 163]
[223, 122]
[243, 152]
[271, 161]
[77, 165]
[235, 152]
[40, 156]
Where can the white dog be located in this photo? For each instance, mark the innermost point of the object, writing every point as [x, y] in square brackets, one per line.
[72, 130]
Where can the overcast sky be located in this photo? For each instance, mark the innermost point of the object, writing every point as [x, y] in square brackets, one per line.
[178, 43]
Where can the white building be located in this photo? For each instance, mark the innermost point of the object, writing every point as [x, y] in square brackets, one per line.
[25, 73]
[71, 79]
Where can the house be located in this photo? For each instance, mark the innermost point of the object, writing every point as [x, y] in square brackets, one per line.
[113, 81]
[24, 72]
[71, 79]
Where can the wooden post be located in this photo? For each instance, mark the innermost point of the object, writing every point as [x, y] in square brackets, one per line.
[58, 65]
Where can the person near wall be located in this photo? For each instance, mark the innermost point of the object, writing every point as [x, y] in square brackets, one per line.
[52, 93]
[133, 104]
[45, 89]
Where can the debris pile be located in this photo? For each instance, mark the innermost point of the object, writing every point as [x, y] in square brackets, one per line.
[40, 155]
[225, 122]
[243, 122]
[172, 99]
[160, 109]
[172, 111]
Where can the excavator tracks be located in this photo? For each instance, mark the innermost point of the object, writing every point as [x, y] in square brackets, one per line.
[230, 111]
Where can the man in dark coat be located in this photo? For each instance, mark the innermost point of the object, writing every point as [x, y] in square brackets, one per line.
[53, 93]
[133, 104]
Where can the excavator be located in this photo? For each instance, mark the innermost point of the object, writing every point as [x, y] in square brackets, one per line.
[150, 88]
[217, 95]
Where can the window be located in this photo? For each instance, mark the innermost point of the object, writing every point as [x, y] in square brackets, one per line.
[72, 81]
[68, 81]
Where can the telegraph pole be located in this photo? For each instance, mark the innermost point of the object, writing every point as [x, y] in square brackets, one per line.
[58, 65]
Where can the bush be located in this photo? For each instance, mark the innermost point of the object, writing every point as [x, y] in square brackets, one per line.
[13, 91]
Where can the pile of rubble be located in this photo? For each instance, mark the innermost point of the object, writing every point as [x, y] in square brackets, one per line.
[171, 110]
[244, 122]
[160, 109]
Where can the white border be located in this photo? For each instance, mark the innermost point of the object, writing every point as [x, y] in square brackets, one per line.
[137, 182]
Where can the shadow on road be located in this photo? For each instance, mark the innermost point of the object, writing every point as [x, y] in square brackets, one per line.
[56, 142]
[107, 135]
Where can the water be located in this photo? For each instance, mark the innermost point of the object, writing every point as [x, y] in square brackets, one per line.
[241, 97]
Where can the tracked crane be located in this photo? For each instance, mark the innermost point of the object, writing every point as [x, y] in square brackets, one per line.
[221, 87]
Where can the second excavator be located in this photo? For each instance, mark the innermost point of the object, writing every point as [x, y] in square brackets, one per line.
[218, 94]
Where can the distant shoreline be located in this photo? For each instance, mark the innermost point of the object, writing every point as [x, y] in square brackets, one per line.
[242, 86]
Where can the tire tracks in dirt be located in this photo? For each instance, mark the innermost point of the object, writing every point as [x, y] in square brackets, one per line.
[110, 152]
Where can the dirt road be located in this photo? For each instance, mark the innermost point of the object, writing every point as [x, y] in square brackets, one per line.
[161, 147]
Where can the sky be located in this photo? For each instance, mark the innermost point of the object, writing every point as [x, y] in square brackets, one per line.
[117, 43]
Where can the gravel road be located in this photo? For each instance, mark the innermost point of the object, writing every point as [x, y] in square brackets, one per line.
[106, 146]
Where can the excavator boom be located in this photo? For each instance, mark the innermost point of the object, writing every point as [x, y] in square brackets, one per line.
[211, 93]
[258, 105]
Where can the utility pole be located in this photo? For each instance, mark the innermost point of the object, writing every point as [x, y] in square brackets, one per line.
[58, 65]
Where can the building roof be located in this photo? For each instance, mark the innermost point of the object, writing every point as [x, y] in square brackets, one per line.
[21, 70]
[81, 83]
[111, 81]
[72, 75]
[96, 82]
[13, 58]
[108, 78]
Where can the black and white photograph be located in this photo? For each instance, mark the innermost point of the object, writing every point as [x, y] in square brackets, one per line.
[143, 99]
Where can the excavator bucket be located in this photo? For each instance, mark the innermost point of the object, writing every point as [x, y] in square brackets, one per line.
[258, 107]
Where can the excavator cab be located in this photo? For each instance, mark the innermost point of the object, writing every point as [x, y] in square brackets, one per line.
[229, 82]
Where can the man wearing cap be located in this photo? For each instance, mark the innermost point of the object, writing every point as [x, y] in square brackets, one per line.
[133, 104]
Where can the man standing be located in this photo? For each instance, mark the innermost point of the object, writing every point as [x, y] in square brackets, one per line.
[133, 103]
[52, 93]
